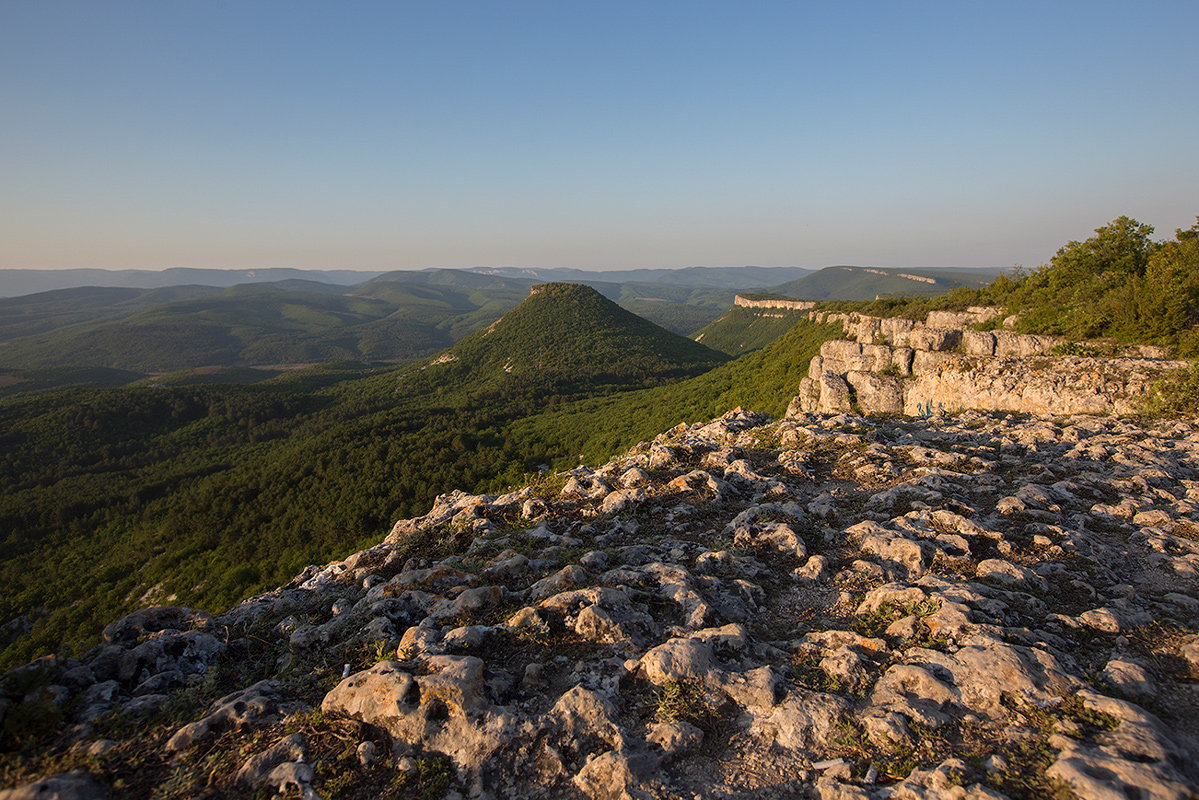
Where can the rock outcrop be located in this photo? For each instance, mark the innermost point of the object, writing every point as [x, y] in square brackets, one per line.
[968, 606]
[773, 302]
[898, 366]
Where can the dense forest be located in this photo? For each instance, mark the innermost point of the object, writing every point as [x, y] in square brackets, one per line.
[741, 330]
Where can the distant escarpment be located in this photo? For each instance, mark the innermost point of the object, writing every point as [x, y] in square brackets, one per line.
[898, 366]
[772, 301]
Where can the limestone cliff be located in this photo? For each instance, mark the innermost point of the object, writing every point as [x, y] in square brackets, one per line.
[898, 366]
[773, 302]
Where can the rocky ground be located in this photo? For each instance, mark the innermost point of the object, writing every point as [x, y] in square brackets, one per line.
[977, 606]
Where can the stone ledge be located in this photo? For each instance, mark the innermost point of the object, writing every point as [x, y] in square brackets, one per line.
[978, 374]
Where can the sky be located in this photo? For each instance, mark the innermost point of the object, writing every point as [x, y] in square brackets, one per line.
[399, 135]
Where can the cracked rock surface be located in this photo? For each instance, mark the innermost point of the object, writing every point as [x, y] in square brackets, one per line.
[977, 606]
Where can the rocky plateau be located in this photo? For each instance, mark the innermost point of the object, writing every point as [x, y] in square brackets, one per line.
[977, 605]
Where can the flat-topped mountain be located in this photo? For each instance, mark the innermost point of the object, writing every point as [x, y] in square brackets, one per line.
[744, 328]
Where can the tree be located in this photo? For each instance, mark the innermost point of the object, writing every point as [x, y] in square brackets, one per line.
[1088, 287]
[1167, 296]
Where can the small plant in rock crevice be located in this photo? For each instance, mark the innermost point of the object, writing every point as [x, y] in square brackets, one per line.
[804, 670]
[681, 700]
[535, 633]
[873, 624]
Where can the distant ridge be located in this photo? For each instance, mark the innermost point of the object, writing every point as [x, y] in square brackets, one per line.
[292, 321]
[867, 283]
[709, 277]
[17, 282]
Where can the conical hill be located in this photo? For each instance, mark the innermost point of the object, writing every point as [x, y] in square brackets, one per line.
[570, 331]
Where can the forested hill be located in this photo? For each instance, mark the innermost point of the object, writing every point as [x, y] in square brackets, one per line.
[740, 330]
[573, 333]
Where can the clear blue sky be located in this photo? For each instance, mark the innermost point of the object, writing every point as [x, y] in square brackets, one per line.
[230, 133]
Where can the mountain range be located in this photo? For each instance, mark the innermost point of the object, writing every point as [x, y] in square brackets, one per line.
[110, 335]
[17, 282]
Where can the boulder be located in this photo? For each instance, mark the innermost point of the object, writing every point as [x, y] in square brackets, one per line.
[568, 577]
[914, 692]
[877, 394]
[1129, 678]
[808, 399]
[982, 672]
[619, 775]
[585, 722]
[978, 343]
[249, 707]
[804, 722]
[1010, 575]
[777, 536]
[934, 339]
[131, 629]
[1096, 773]
[445, 710]
[905, 557]
[259, 771]
[67, 786]
[617, 501]
[674, 737]
[835, 395]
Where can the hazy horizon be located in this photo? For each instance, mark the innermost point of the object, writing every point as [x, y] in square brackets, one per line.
[378, 136]
[476, 267]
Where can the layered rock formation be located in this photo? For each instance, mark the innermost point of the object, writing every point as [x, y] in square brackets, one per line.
[898, 366]
[773, 302]
[832, 607]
